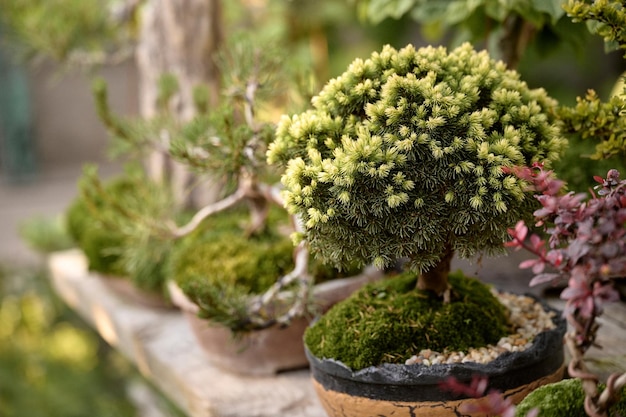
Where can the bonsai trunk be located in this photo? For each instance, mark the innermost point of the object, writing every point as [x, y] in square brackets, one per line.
[178, 37]
[436, 278]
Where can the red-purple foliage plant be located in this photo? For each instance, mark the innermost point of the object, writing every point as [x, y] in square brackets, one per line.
[586, 246]
[489, 402]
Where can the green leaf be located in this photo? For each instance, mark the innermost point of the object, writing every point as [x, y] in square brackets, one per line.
[379, 10]
[499, 10]
[432, 11]
[460, 10]
[551, 7]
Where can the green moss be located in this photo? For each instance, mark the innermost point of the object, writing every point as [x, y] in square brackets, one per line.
[227, 258]
[219, 268]
[389, 321]
[563, 399]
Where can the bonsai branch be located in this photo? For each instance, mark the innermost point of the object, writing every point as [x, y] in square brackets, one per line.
[299, 274]
[247, 190]
[596, 404]
[208, 211]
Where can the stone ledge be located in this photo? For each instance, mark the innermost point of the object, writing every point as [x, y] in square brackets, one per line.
[161, 345]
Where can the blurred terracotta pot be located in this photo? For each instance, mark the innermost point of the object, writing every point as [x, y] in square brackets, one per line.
[267, 351]
[127, 291]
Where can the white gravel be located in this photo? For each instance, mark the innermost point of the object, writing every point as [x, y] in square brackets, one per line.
[526, 314]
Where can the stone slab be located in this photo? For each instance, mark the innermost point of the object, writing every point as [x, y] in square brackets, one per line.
[161, 345]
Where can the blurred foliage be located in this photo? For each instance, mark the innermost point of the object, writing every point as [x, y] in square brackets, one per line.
[602, 121]
[114, 223]
[61, 29]
[51, 363]
[224, 140]
[45, 234]
[606, 18]
[599, 123]
[577, 167]
[505, 28]
[458, 12]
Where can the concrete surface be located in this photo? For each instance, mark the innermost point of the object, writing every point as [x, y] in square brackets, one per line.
[66, 134]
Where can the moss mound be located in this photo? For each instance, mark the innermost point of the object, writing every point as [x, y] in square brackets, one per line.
[219, 268]
[100, 243]
[391, 320]
[563, 399]
[108, 222]
[220, 255]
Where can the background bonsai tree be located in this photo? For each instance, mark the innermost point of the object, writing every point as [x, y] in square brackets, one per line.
[142, 221]
[225, 254]
[402, 156]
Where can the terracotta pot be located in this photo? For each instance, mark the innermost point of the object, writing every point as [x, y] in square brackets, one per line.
[127, 291]
[267, 351]
[414, 390]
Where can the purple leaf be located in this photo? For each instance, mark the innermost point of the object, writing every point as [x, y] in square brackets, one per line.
[543, 278]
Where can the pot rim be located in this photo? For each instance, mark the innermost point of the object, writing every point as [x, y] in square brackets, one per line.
[419, 374]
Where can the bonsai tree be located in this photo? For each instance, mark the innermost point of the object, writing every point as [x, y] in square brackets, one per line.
[142, 222]
[228, 252]
[402, 157]
[113, 223]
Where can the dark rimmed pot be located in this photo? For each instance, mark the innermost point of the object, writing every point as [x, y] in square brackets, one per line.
[414, 390]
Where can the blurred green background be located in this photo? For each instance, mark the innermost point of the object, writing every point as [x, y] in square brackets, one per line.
[53, 364]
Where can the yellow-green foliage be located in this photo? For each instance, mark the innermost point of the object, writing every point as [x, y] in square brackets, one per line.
[390, 321]
[603, 122]
[563, 399]
[51, 363]
[606, 18]
[402, 155]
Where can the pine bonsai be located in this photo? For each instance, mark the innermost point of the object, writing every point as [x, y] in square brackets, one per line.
[402, 156]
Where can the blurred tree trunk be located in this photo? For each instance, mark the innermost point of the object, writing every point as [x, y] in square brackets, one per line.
[178, 37]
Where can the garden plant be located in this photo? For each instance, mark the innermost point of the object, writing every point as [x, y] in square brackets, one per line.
[586, 246]
[401, 161]
[223, 143]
